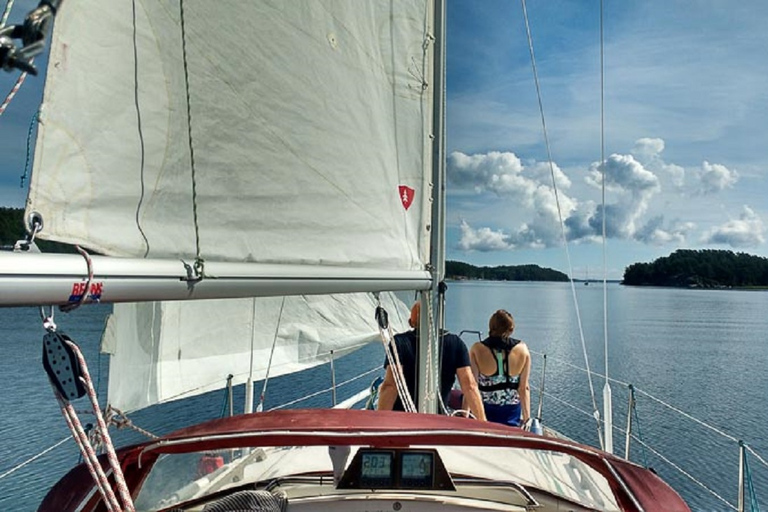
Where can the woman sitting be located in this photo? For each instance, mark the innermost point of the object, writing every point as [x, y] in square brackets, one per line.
[501, 364]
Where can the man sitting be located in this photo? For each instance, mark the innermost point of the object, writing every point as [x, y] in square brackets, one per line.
[454, 363]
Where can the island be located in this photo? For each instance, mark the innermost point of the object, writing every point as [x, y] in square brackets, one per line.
[704, 268]
[458, 270]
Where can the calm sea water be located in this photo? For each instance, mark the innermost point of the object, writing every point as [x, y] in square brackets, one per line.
[704, 352]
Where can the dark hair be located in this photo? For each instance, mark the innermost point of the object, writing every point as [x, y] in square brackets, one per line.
[501, 324]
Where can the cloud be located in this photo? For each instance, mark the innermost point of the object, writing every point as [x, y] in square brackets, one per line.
[624, 173]
[536, 205]
[483, 239]
[501, 173]
[747, 231]
[648, 151]
[714, 178]
[529, 188]
[654, 233]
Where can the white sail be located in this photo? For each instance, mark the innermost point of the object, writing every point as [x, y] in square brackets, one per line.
[307, 118]
[163, 351]
[293, 135]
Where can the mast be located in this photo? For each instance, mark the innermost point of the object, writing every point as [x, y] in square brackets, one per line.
[430, 317]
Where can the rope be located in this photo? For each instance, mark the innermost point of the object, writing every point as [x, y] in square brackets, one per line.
[667, 405]
[602, 159]
[596, 413]
[607, 406]
[110, 449]
[326, 390]
[6, 13]
[686, 415]
[199, 262]
[70, 307]
[431, 385]
[226, 398]
[640, 435]
[754, 505]
[120, 420]
[686, 474]
[89, 455]
[260, 407]
[34, 458]
[13, 92]
[138, 127]
[758, 457]
[28, 159]
[645, 446]
[393, 357]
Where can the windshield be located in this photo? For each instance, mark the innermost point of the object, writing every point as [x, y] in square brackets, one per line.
[178, 478]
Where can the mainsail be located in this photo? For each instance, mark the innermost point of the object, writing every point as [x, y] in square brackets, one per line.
[292, 133]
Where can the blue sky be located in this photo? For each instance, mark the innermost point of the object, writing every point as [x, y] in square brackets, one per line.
[686, 118]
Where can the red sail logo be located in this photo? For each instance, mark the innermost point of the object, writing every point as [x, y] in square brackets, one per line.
[406, 195]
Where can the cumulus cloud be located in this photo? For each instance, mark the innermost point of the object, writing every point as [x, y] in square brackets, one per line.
[624, 173]
[634, 181]
[715, 177]
[654, 232]
[746, 231]
[482, 239]
[648, 151]
[503, 174]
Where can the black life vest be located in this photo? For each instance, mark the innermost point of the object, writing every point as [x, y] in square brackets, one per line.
[501, 351]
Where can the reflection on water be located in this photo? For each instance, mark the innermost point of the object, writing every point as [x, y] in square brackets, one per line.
[703, 351]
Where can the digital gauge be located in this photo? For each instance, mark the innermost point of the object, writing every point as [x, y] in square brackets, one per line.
[417, 470]
[396, 468]
[377, 469]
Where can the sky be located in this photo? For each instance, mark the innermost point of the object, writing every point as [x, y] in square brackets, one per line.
[685, 131]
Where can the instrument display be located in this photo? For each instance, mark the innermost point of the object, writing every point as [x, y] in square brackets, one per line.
[396, 468]
[377, 469]
[417, 469]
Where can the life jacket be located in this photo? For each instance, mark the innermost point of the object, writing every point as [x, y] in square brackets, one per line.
[501, 352]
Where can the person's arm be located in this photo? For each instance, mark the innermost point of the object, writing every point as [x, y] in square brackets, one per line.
[475, 371]
[471, 392]
[524, 389]
[387, 392]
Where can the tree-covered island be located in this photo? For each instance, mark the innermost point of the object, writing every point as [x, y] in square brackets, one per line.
[705, 268]
[460, 270]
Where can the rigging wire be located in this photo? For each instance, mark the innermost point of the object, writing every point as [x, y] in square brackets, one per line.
[596, 413]
[260, 407]
[34, 457]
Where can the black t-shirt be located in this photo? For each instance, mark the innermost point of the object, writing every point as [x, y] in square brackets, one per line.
[454, 355]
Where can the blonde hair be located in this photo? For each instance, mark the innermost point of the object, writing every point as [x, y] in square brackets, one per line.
[501, 324]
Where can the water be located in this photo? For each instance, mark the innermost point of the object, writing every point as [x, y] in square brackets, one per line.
[702, 351]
